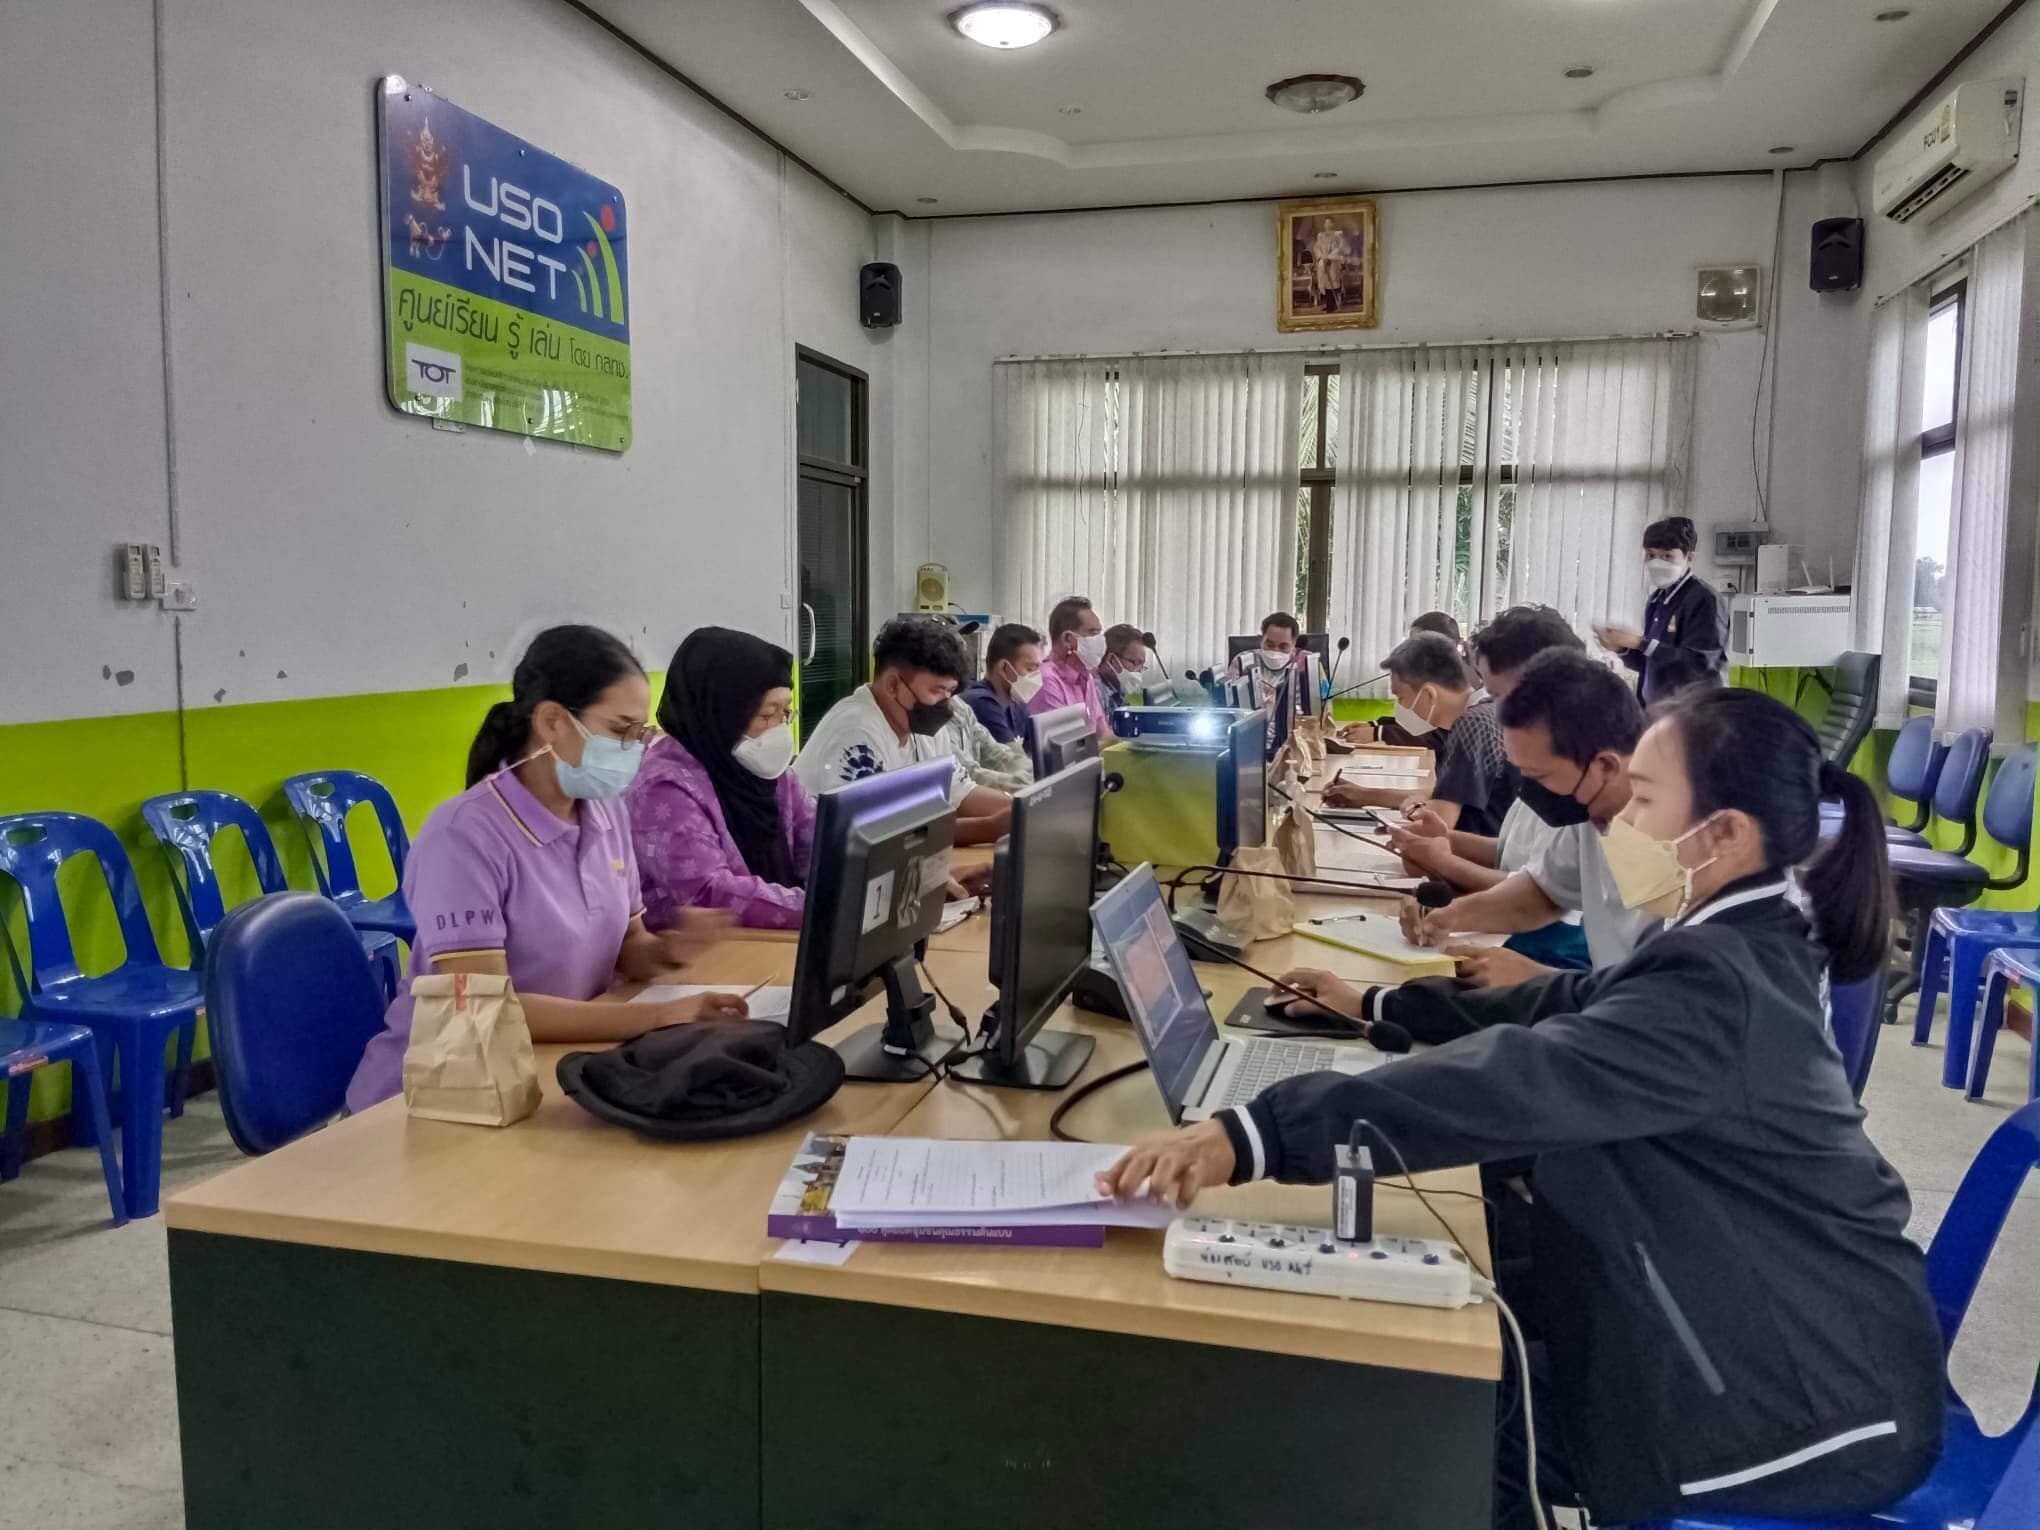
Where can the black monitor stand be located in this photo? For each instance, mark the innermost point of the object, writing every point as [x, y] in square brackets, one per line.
[910, 1044]
[1049, 1061]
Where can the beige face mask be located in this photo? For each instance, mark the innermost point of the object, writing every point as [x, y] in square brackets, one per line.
[1647, 872]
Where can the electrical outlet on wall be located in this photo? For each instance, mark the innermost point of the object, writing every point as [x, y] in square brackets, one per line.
[181, 595]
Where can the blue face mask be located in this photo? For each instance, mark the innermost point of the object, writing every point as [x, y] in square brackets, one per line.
[608, 766]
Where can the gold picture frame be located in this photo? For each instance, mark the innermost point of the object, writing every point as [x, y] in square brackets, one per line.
[1321, 282]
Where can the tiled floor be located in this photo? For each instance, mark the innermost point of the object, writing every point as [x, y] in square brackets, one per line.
[85, 1309]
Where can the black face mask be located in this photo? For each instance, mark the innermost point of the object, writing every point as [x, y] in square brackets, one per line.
[927, 718]
[1560, 810]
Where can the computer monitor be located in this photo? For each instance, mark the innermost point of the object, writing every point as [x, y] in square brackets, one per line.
[876, 885]
[1041, 932]
[1239, 692]
[1243, 787]
[1162, 693]
[1319, 643]
[1282, 710]
[1058, 739]
[1306, 667]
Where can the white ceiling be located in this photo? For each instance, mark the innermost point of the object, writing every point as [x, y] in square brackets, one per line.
[1169, 103]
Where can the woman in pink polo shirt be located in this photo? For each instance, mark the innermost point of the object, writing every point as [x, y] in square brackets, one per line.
[530, 870]
[717, 817]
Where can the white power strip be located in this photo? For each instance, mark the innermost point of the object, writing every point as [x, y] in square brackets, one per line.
[1419, 1272]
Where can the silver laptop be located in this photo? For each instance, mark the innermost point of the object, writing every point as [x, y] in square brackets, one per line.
[1197, 1071]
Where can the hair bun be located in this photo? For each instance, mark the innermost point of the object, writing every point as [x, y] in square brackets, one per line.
[1833, 779]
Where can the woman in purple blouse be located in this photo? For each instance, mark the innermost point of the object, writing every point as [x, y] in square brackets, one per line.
[718, 819]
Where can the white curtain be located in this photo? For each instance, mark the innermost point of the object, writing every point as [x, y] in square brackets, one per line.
[1887, 544]
[1471, 478]
[1982, 668]
[1164, 488]
[1601, 437]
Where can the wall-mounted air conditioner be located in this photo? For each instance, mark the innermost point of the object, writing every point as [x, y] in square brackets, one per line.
[1970, 136]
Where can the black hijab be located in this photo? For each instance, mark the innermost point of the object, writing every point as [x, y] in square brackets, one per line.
[713, 690]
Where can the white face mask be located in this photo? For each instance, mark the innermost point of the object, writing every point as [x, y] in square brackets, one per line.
[767, 756]
[1026, 687]
[1412, 724]
[1091, 650]
[1662, 573]
[1273, 661]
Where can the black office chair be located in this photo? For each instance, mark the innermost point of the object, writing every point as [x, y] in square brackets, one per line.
[1851, 708]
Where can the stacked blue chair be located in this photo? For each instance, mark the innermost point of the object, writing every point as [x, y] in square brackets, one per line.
[1912, 774]
[322, 800]
[186, 824]
[2002, 969]
[131, 1011]
[1980, 1480]
[292, 1001]
[1932, 884]
[1955, 797]
[26, 1047]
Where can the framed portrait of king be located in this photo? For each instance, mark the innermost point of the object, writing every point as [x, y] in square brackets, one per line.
[1327, 265]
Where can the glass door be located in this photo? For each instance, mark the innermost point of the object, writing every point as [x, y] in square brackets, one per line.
[832, 631]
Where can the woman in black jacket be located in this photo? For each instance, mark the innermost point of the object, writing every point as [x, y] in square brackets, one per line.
[1732, 1317]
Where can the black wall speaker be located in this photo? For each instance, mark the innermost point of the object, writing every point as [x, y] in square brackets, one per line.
[878, 295]
[1836, 264]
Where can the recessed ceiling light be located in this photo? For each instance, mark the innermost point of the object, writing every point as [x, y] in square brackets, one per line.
[796, 95]
[1891, 15]
[1580, 72]
[1003, 24]
[1324, 175]
[1782, 148]
[927, 201]
[1314, 93]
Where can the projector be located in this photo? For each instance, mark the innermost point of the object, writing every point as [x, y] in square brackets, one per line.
[1189, 724]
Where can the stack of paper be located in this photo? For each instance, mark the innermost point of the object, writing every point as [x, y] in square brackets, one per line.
[1381, 935]
[761, 1003]
[893, 1183]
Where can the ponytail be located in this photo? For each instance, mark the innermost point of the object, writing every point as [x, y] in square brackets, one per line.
[1748, 752]
[501, 732]
[570, 665]
[1850, 881]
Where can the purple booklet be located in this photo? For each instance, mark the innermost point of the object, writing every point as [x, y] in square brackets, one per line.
[800, 1209]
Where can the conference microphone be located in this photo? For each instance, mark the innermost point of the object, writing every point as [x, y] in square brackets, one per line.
[1434, 893]
[1338, 658]
[1154, 655]
[1359, 686]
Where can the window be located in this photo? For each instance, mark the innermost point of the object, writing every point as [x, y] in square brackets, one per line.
[1317, 455]
[1940, 404]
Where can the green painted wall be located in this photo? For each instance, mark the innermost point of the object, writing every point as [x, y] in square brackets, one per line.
[414, 742]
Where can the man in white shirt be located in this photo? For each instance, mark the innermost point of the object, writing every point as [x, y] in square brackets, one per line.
[901, 718]
[1569, 726]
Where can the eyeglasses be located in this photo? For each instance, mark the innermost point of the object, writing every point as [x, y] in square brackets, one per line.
[774, 717]
[622, 732]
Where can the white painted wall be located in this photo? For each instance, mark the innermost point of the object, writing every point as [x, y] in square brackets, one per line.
[81, 361]
[336, 546]
[1510, 263]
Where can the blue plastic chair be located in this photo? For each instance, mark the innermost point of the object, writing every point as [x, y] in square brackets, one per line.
[1912, 774]
[292, 1001]
[27, 1046]
[1976, 1472]
[1929, 880]
[131, 1010]
[2001, 969]
[186, 824]
[1854, 1011]
[2016, 1503]
[1955, 797]
[322, 800]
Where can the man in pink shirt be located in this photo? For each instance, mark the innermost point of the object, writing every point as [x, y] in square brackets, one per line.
[1076, 646]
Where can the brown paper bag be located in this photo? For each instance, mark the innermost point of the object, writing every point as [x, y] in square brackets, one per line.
[1295, 840]
[470, 1056]
[1310, 738]
[1257, 907]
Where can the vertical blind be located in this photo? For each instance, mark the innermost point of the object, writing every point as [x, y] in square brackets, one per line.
[1881, 613]
[1467, 479]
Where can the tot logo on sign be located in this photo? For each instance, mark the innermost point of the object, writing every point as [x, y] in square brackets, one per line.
[432, 373]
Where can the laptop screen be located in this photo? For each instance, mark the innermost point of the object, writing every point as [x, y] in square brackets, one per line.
[1154, 972]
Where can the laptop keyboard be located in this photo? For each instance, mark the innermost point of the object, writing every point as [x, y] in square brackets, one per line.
[1270, 1062]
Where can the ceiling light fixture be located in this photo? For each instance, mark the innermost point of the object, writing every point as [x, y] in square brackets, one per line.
[1892, 15]
[1310, 94]
[1580, 72]
[1781, 148]
[927, 201]
[1324, 175]
[1003, 24]
[796, 95]
[1071, 111]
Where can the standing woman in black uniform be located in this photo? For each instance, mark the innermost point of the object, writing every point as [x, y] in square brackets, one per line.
[1731, 1317]
[1685, 622]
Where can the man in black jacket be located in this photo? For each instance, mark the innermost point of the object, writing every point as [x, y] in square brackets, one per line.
[1685, 621]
